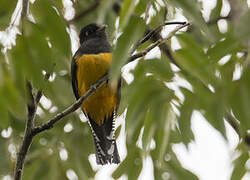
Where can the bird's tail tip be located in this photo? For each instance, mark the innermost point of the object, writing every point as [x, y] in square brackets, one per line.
[107, 156]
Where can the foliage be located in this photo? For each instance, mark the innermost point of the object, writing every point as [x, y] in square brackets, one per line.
[44, 46]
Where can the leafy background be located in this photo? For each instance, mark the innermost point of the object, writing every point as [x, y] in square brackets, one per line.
[207, 58]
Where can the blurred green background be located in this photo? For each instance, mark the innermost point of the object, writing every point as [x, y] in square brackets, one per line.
[207, 59]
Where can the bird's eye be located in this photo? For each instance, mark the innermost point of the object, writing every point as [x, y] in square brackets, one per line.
[87, 33]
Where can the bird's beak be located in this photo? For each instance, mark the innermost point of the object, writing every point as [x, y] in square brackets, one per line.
[103, 27]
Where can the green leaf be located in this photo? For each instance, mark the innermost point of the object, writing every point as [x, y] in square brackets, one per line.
[82, 141]
[134, 160]
[131, 34]
[240, 100]
[52, 24]
[158, 67]
[141, 7]
[60, 91]
[39, 174]
[184, 120]
[5, 164]
[177, 171]
[3, 110]
[207, 102]
[227, 71]
[103, 10]
[215, 13]
[157, 18]
[222, 48]
[13, 99]
[242, 30]
[193, 59]
[163, 132]
[149, 130]
[16, 122]
[142, 95]
[117, 131]
[239, 166]
[128, 7]
[170, 167]
[30, 57]
[191, 9]
[6, 10]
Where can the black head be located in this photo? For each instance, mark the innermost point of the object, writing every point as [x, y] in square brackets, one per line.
[92, 31]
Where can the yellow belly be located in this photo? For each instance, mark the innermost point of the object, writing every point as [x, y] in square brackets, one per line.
[104, 101]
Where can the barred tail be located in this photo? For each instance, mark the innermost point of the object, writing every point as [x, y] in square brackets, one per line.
[105, 144]
[105, 156]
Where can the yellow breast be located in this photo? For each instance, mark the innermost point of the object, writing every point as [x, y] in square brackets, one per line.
[103, 102]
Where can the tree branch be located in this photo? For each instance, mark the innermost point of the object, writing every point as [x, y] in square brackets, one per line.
[31, 106]
[71, 108]
[214, 21]
[236, 126]
[155, 31]
[158, 42]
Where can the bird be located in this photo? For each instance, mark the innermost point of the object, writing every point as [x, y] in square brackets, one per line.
[91, 62]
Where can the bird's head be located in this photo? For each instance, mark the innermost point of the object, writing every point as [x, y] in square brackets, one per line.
[92, 31]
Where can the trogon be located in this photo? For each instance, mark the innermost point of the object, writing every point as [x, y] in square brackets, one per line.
[90, 62]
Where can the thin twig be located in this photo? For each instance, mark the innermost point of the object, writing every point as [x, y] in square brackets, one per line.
[214, 21]
[157, 43]
[85, 12]
[165, 49]
[155, 31]
[233, 122]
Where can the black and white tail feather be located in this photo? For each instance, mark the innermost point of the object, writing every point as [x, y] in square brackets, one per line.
[104, 139]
